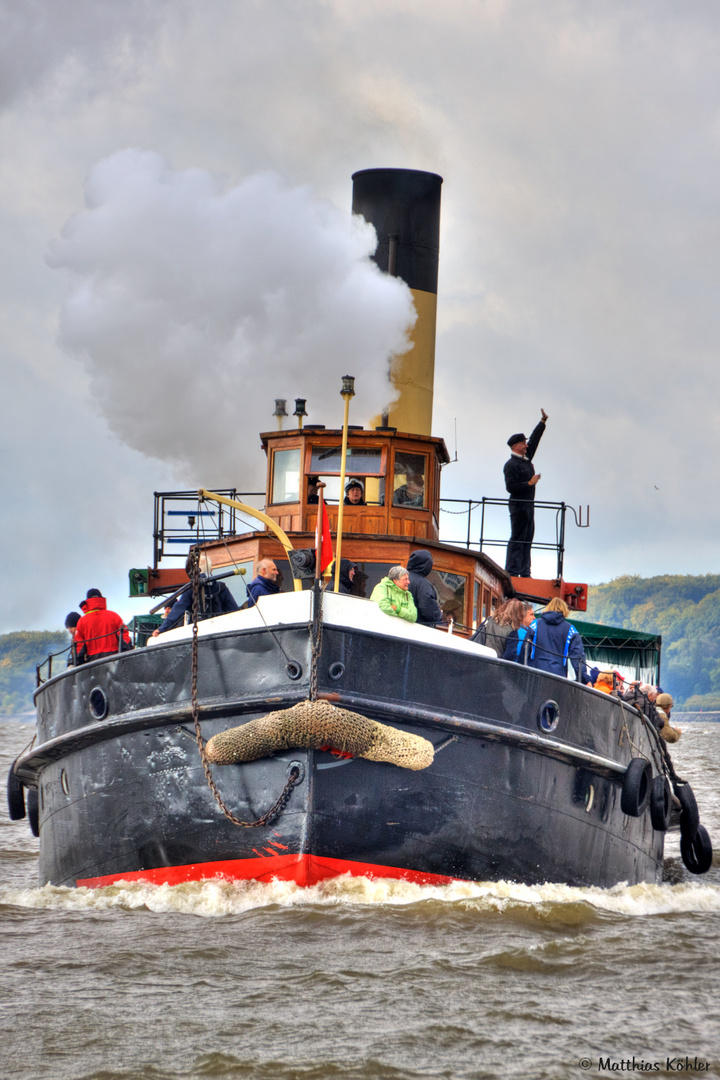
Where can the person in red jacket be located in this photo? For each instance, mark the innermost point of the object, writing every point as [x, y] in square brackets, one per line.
[99, 632]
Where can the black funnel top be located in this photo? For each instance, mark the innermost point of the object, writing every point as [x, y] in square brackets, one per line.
[404, 204]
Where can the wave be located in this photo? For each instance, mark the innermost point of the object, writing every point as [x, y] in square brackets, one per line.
[220, 897]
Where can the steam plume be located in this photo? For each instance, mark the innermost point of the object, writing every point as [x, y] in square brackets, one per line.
[194, 307]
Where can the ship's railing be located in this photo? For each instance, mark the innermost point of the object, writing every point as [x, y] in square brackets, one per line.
[472, 509]
[140, 628]
[40, 677]
[181, 521]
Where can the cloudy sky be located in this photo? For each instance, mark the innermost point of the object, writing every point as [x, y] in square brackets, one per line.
[177, 252]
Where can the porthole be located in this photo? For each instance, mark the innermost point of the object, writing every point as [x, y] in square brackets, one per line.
[98, 703]
[64, 782]
[336, 670]
[548, 716]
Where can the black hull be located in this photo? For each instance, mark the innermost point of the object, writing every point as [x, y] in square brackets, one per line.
[127, 795]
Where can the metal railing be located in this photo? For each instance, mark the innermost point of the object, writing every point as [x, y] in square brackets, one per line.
[173, 537]
[559, 510]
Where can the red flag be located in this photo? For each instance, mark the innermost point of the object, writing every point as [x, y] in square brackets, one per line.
[323, 540]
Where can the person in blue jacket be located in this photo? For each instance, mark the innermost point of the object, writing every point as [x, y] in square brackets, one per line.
[556, 641]
[265, 584]
[214, 598]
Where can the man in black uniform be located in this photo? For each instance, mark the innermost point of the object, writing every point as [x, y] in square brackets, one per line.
[520, 481]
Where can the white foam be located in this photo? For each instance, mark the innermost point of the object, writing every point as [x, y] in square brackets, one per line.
[212, 899]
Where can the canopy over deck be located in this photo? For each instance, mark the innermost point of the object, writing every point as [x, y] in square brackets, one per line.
[629, 649]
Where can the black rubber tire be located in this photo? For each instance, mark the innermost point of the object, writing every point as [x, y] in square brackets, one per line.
[660, 803]
[33, 811]
[636, 787]
[690, 818]
[697, 854]
[15, 796]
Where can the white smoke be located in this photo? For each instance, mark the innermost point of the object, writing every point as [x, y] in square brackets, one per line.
[194, 307]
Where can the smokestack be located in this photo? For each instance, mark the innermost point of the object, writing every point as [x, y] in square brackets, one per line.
[404, 207]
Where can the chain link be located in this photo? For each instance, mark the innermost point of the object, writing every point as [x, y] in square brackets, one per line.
[294, 776]
[315, 627]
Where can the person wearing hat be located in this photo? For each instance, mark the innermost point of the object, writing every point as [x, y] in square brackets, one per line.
[99, 632]
[663, 704]
[354, 492]
[71, 622]
[520, 482]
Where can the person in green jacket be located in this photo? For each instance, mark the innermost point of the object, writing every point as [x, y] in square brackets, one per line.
[392, 595]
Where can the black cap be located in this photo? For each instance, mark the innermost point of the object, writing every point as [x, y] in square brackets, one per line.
[516, 439]
[93, 592]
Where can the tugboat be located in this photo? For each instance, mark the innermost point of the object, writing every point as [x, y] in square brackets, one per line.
[311, 735]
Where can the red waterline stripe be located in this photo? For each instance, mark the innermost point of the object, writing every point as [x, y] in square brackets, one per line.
[302, 869]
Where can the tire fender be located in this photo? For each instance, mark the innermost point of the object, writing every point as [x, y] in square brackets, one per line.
[690, 818]
[697, 853]
[660, 803]
[15, 796]
[636, 787]
[33, 811]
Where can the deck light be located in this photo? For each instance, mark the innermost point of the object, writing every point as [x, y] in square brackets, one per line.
[280, 411]
[300, 410]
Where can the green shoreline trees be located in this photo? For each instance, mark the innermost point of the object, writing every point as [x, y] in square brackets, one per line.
[686, 611]
[19, 654]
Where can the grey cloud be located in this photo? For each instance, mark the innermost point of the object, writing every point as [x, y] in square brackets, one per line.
[579, 249]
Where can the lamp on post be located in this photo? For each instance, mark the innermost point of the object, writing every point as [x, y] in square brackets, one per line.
[347, 392]
[300, 410]
[280, 411]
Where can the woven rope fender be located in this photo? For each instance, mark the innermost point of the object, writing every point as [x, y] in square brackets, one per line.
[314, 724]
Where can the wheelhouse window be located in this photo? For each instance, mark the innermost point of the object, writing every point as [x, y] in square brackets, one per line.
[450, 589]
[361, 460]
[286, 476]
[410, 480]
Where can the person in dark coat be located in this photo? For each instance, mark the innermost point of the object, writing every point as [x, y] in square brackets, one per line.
[71, 622]
[346, 580]
[429, 611]
[520, 482]
[214, 599]
[354, 492]
[265, 584]
[555, 641]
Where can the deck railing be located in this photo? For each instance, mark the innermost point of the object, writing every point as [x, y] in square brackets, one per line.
[474, 508]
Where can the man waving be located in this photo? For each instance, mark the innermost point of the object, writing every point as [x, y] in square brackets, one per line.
[520, 482]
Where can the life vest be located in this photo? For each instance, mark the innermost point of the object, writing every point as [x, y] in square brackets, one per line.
[522, 634]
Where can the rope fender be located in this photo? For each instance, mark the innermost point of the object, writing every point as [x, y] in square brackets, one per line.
[311, 725]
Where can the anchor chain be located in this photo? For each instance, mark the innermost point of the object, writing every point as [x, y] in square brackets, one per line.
[315, 628]
[294, 775]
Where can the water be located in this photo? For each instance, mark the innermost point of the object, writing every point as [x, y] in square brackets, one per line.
[358, 979]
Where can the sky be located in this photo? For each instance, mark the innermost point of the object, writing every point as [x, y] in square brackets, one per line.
[178, 251]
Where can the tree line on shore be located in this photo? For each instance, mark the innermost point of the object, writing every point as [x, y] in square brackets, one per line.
[686, 611]
[19, 655]
[683, 608]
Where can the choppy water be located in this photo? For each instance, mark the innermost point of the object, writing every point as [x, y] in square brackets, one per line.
[358, 979]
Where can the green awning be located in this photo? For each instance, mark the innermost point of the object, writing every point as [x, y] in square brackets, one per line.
[617, 646]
